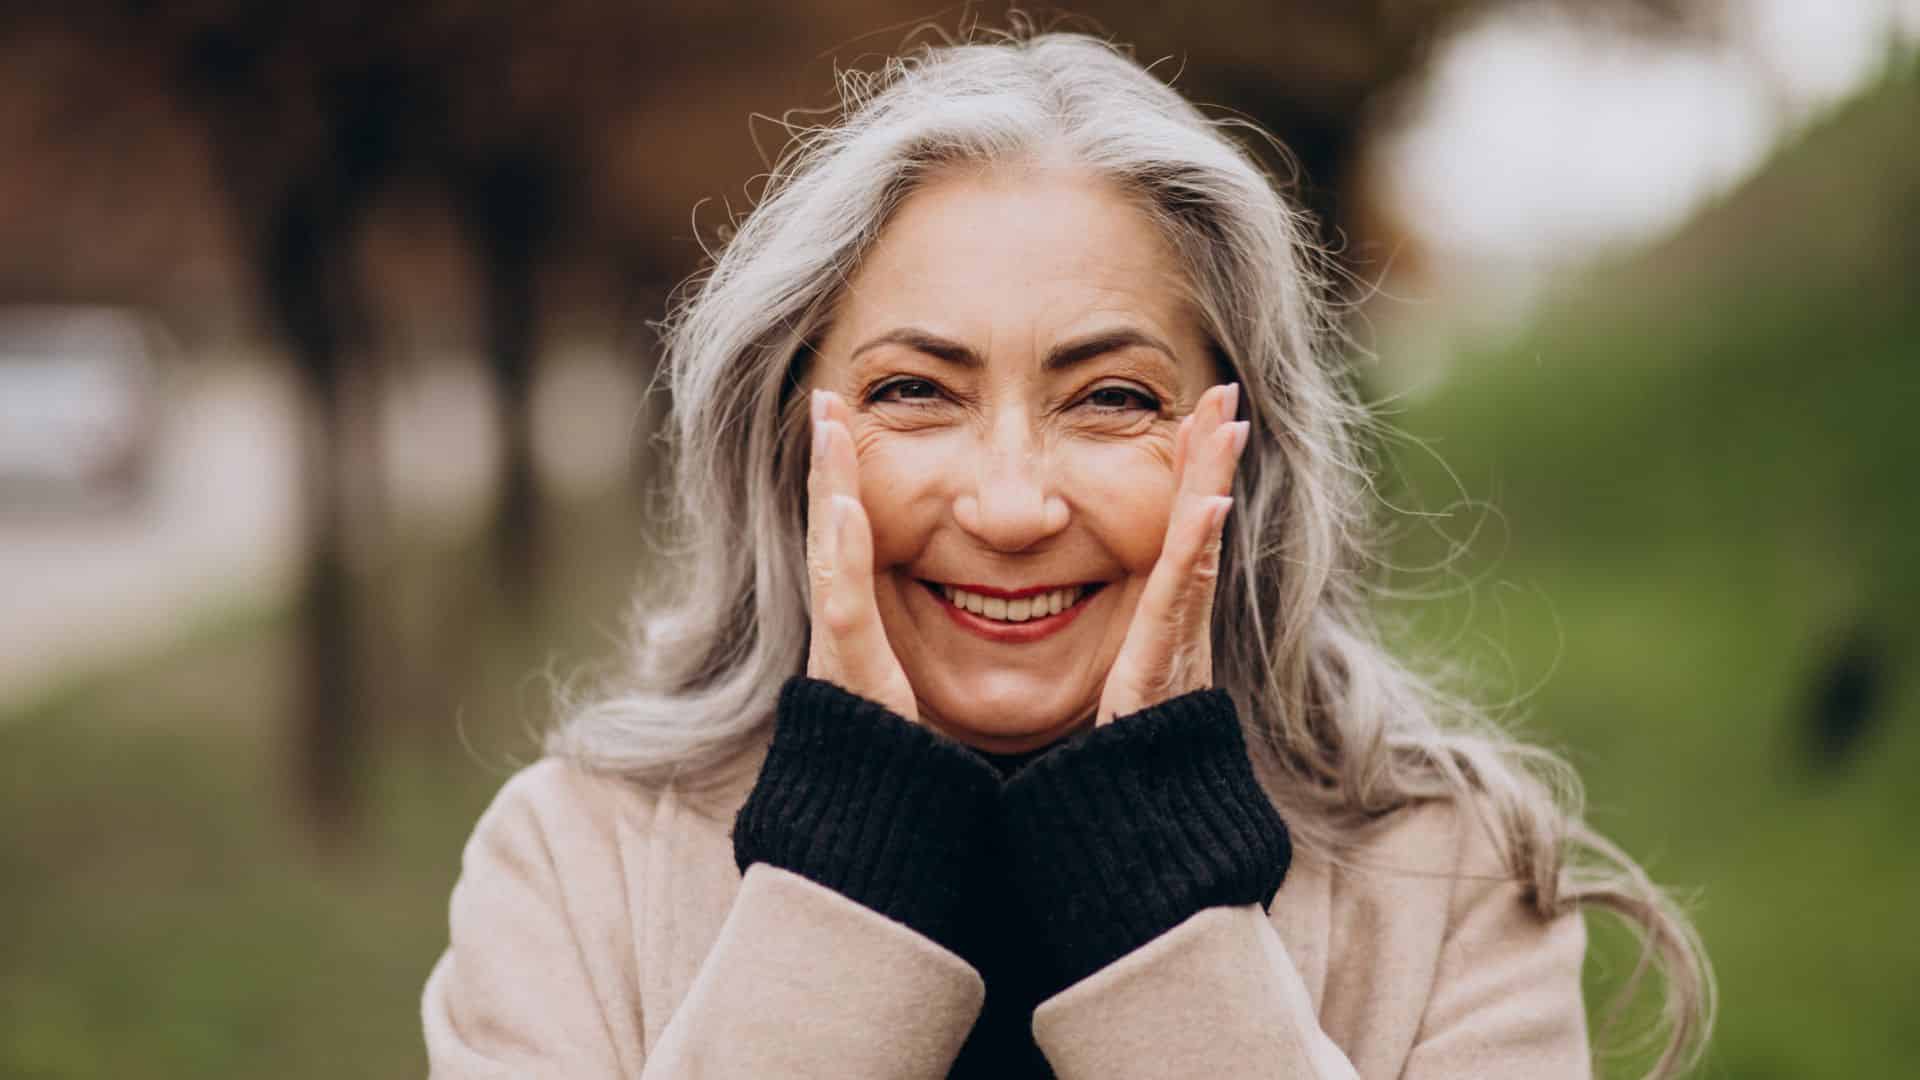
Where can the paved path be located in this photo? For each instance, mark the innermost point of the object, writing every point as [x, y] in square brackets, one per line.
[221, 523]
[218, 525]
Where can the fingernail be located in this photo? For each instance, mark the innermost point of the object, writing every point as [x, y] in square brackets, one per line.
[1230, 405]
[1221, 505]
[819, 440]
[1241, 430]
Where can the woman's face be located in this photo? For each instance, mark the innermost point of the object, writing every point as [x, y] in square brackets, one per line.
[1016, 351]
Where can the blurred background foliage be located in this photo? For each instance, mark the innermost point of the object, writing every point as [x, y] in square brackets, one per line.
[1659, 510]
[1686, 487]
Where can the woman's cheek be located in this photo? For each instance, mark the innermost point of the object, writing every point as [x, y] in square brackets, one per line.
[1125, 491]
[900, 483]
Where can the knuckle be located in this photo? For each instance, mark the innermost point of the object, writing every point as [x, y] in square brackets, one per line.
[840, 615]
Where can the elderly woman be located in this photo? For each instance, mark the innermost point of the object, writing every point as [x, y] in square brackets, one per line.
[1016, 710]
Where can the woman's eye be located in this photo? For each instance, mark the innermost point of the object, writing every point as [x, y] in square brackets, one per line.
[915, 390]
[1119, 398]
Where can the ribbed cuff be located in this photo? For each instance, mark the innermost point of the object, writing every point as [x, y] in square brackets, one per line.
[1122, 833]
[871, 805]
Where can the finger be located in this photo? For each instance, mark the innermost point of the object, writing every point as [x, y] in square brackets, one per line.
[1206, 419]
[819, 563]
[859, 639]
[842, 473]
[1203, 583]
[1162, 618]
[1204, 442]
[1174, 619]
[852, 613]
[1158, 633]
[835, 611]
[848, 612]
[832, 472]
[1213, 461]
[1210, 500]
[1183, 575]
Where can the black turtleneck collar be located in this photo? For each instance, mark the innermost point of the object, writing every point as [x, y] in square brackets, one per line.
[1008, 764]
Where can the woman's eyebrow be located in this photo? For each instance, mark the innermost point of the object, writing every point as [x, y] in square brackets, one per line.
[923, 341]
[1099, 343]
[1061, 356]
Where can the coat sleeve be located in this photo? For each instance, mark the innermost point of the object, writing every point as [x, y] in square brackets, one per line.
[539, 977]
[1149, 852]
[804, 982]
[1220, 996]
[1215, 996]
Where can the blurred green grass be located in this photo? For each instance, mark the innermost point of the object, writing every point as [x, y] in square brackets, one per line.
[1678, 494]
[168, 913]
[1681, 487]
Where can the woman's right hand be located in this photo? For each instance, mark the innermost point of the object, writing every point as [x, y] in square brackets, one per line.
[849, 645]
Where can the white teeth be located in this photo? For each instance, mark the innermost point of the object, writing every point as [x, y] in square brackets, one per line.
[1003, 610]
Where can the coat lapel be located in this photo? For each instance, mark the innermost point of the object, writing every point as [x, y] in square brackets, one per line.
[1301, 914]
[689, 885]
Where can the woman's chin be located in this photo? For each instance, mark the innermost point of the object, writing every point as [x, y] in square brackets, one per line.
[1007, 717]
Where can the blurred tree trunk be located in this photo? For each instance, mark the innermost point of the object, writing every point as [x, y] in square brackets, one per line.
[507, 204]
[297, 191]
[309, 286]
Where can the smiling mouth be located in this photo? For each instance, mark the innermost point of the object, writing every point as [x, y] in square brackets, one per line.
[1023, 606]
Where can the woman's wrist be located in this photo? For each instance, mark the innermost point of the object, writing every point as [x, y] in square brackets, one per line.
[1128, 829]
[860, 799]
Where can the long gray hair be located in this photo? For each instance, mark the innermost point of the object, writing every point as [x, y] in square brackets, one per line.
[1350, 732]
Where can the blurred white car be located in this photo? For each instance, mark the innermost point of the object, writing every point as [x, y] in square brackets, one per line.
[79, 404]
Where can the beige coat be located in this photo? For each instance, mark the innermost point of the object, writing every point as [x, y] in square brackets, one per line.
[601, 929]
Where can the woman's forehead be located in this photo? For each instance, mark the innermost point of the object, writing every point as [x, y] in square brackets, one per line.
[1024, 226]
[1028, 258]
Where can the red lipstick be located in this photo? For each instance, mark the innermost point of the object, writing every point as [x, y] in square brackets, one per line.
[1011, 633]
[1017, 594]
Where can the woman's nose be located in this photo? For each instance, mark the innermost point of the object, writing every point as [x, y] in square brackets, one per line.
[1011, 506]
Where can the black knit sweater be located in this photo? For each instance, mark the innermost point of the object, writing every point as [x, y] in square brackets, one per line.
[1038, 869]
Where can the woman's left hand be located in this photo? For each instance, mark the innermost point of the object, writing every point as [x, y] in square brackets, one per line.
[1168, 649]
